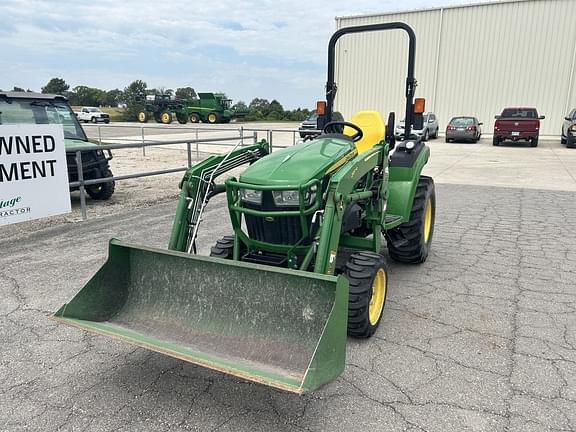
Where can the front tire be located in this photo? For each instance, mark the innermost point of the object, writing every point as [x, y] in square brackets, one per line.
[102, 191]
[411, 241]
[570, 142]
[368, 286]
[194, 118]
[166, 117]
[142, 117]
[426, 136]
[224, 248]
[213, 118]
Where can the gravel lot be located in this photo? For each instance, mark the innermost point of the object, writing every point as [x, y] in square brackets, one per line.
[482, 337]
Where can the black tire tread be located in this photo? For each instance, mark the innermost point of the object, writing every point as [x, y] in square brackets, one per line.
[413, 250]
[224, 248]
[360, 271]
[102, 191]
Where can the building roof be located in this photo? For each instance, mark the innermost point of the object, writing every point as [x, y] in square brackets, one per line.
[436, 8]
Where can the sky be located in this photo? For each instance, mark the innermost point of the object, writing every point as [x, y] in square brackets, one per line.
[255, 48]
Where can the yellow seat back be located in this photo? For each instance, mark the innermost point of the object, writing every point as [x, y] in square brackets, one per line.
[373, 127]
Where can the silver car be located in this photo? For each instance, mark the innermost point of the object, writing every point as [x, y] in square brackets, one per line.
[430, 129]
[463, 129]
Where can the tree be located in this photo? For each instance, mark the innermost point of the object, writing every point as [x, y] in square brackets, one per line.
[83, 95]
[275, 111]
[187, 93]
[112, 98]
[258, 109]
[134, 97]
[56, 86]
[18, 89]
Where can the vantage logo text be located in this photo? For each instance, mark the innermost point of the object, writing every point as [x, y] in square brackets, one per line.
[9, 202]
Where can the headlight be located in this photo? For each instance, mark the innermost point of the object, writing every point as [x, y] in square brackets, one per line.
[291, 198]
[286, 198]
[251, 196]
[573, 128]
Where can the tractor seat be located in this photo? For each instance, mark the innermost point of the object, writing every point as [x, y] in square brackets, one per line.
[372, 126]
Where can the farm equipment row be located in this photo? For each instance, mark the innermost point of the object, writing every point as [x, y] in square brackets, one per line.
[206, 107]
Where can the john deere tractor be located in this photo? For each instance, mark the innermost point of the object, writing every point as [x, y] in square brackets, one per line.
[304, 266]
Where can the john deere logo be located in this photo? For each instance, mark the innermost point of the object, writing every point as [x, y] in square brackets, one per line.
[269, 219]
[9, 203]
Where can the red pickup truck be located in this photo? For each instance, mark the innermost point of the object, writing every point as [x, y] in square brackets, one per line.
[515, 124]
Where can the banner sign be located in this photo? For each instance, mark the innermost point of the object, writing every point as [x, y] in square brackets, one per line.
[33, 172]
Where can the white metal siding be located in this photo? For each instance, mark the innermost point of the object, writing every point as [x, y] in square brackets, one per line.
[471, 60]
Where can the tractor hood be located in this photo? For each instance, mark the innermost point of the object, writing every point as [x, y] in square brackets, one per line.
[298, 164]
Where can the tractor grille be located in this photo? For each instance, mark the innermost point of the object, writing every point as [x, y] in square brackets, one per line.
[280, 230]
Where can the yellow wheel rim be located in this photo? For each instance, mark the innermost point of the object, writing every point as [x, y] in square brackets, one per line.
[212, 118]
[378, 296]
[141, 116]
[165, 118]
[427, 220]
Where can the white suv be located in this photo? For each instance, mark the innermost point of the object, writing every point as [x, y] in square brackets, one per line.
[430, 129]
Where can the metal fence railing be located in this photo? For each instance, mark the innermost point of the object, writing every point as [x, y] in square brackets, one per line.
[144, 136]
[82, 183]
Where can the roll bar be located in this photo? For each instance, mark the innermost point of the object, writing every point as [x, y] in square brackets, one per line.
[331, 87]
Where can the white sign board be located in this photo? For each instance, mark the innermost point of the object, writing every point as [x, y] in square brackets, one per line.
[33, 173]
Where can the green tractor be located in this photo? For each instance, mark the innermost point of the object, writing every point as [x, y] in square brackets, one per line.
[210, 108]
[303, 268]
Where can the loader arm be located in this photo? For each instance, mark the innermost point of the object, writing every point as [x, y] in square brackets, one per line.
[196, 185]
[341, 193]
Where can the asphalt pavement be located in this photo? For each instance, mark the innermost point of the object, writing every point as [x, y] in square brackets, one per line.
[482, 337]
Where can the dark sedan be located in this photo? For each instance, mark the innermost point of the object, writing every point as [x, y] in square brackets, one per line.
[463, 129]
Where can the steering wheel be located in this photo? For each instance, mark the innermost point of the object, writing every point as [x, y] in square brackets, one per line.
[338, 127]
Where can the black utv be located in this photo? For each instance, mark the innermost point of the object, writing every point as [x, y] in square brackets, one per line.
[37, 108]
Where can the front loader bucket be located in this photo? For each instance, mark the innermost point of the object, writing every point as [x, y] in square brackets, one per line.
[284, 328]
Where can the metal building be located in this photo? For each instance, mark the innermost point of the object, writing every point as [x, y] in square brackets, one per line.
[470, 60]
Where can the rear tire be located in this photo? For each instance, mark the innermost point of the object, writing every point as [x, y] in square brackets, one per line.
[534, 142]
[224, 248]
[495, 141]
[142, 117]
[194, 118]
[181, 118]
[411, 241]
[563, 140]
[102, 191]
[368, 281]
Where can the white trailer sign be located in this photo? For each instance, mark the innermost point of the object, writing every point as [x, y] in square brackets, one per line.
[33, 172]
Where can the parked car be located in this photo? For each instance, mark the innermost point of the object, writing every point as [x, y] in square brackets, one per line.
[569, 130]
[517, 124]
[308, 126]
[429, 130]
[36, 108]
[92, 114]
[463, 129]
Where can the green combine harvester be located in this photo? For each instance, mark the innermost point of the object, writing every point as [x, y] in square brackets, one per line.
[303, 269]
